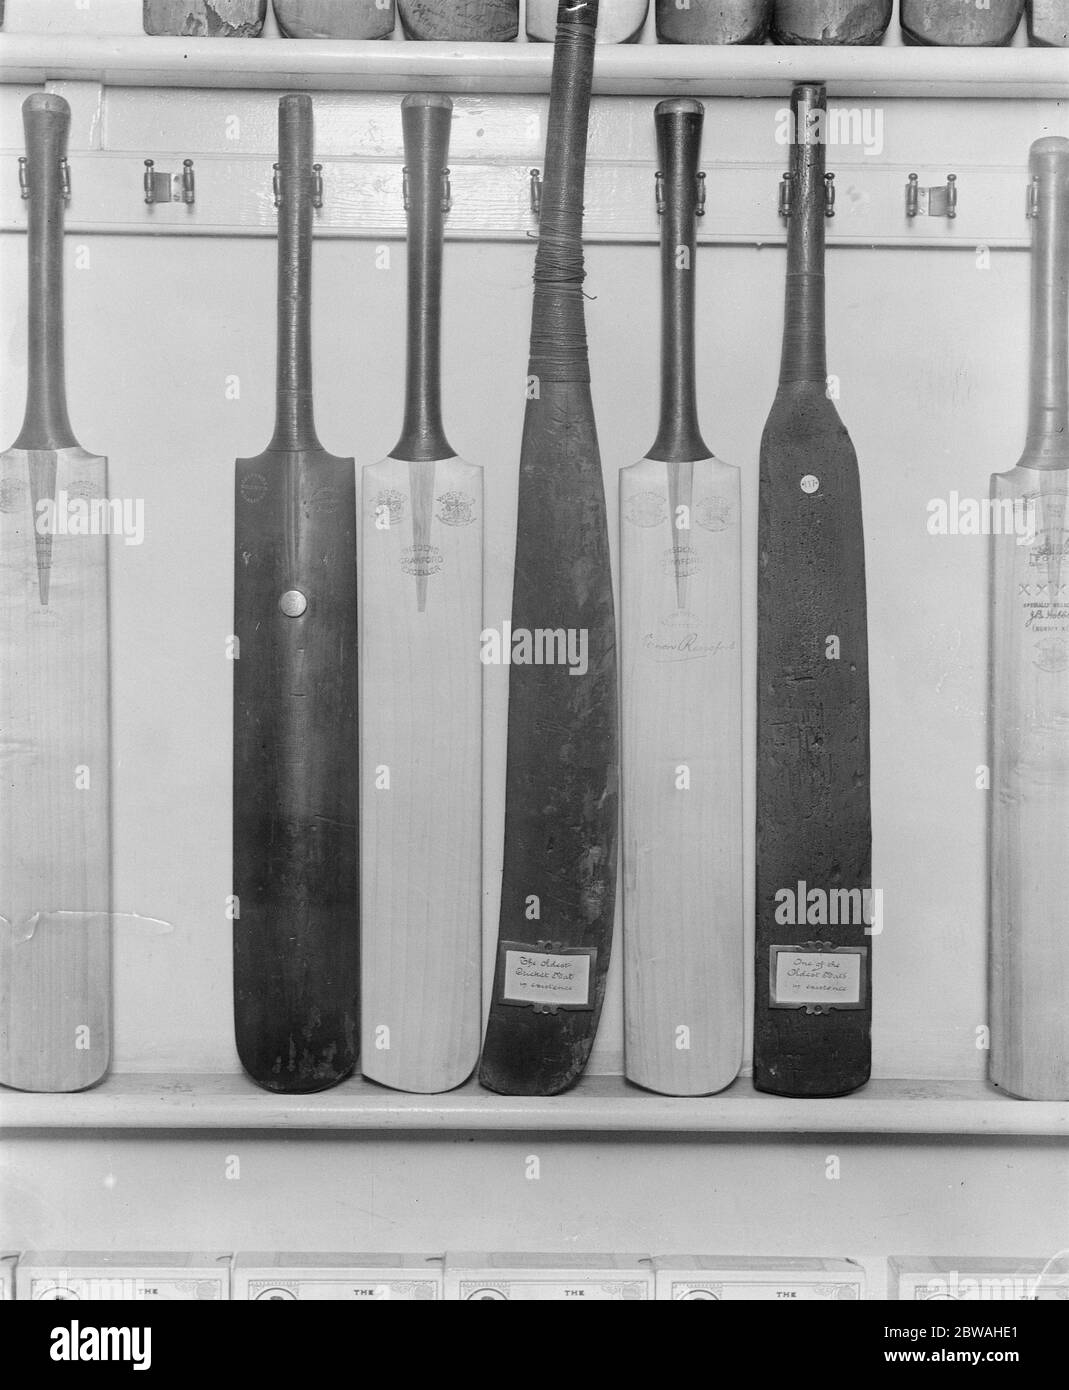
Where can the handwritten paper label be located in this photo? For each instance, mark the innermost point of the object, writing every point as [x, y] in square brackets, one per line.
[546, 979]
[818, 980]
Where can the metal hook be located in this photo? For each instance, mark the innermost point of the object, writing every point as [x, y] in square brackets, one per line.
[913, 196]
[447, 191]
[658, 193]
[65, 179]
[24, 177]
[829, 195]
[932, 202]
[406, 200]
[276, 184]
[536, 192]
[699, 211]
[189, 187]
[1034, 199]
[150, 181]
[952, 196]
[317, 186]
[786, 191]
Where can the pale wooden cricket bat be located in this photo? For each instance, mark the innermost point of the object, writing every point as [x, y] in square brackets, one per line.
[619, 21]
[421, 693]
[1029, 865]
[681, 699]
[55, 860]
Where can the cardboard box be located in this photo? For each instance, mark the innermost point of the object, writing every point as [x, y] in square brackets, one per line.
[537, 1278]
[7, 1276]
[976, 1279]
[716, 1279]
[148, 1278]
[366, 1278]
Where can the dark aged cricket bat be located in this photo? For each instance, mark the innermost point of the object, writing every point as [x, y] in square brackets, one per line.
[212, 19]
[965, 23]
[620, 21]
[421, 693]
[813, 999]
[55, 831]
[1048, 23]
[831, 21]
[1030, 689]
[335, 19]
[295, 738]
[485, 21]
[559, 882]
[713, 21]
[681, 698]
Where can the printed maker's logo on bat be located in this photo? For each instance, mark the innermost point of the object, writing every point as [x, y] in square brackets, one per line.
[456, 509]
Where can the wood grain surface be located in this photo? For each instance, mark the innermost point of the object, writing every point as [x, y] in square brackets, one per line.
[210, 19]
[335, 19]
[714, 21]
[475, 21]
[831, 21]
[960, 23]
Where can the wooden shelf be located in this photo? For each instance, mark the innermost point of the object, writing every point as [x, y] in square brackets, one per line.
[598, 1105]
[648, 69]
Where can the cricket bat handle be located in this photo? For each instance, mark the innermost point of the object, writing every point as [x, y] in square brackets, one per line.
[1048, 425]
[46, 120]
[558, 332]
[804, 342]
[679, 125]
[427, 120]
[295, 427]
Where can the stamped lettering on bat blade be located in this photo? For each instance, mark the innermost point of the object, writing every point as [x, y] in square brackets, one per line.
[714, 514]
[391, 503]
[546, 977]
[13, 494]
[817, 976]
[456, 509]
[422, 560]
[681, 562]
[647, 509]
[253, 488]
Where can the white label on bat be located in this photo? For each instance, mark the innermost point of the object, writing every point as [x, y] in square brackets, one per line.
[688, 1290]
[539, 1290]
[552, 979]
[336, 1290]
[821, 979]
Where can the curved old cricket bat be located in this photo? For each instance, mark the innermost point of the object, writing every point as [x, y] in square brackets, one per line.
[619, 21]
[559, 883]
[421, 693]
[211, 19]
[681, 701]
[964, 23]
[55, 799]
[813, 999]
[713, 21]
[1029, 964]
[831, 21]
[475, 21]
[296, 979]
[335, 19]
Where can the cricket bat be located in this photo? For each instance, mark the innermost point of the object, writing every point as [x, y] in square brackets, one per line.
[421, 693]
[1029, 963]
[477, 21]
[961, 23]
[296, 982]
[713, 21]
[205, 19]
[335, 19]
[1048, 23]
[558, 891]
[620, 21]
[681, 649]
[814, 981]
[55, 794]
[850, 22]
